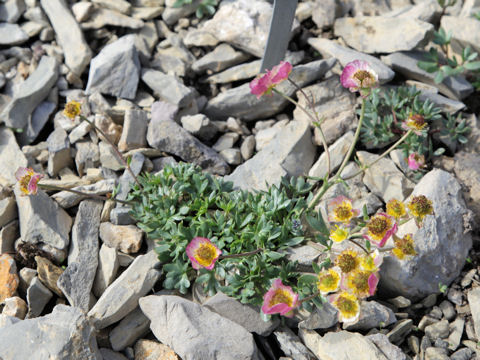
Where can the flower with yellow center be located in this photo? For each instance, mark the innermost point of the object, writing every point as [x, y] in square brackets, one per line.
[420, 207]
[72, 109]
[338, 234]
[415, 122]
[279, 299]
[340, 209]
[347, 305]
[404, 247]
[372, 261]
[202, 253]
[379, 229]
[348, 260]
[27, 180]
[362, 283]
[396, 208]
[328, 281]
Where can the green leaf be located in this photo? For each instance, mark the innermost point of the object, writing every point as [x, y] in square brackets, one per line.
[294, 241]
[368, 246]
[439, 77]
[439, 151]
[307, 279]
[462, 139]
[274, 255]
[428, 66]
[472, 65]
[365, 212]
[317, 223]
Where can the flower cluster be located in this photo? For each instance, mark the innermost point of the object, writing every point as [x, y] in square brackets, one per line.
[264, 83]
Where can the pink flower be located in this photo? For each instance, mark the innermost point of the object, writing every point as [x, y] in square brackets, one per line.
[265, 83]
[27, 179]
[202, 253]
[416, 161]
[379, 229]
[341, 209]
[359, 76]
[279, 299]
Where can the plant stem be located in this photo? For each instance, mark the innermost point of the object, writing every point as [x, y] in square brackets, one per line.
[308, 298]
[117, 152]
[354, 142]
[325, 186]
[241, 254]
[359, 245]
[388, 151]
[312, 118]
[93, 196]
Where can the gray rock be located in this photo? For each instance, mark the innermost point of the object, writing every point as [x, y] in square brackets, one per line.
[8, 210]
[167, 87]
[401, 329]
[323, 318]
[455, 87]
[108, 354]
[82, 10]
[87, 156]
[126, 238]
[67, 199]
[164, 134]
[446, 104]
[35, 124]
[43, 221]
[134, 130]
[324, 13]
[391, 185]
[226, 141]
[462, 354]
[215, 337]
[372, 315]
[30, 93]
[442, 243]
[199, 126]
[240, 103]
[11, 157]
[171, 15]
[222, 57]
[32, 28]
[58, 151]
[116, 69]
[38, 295]
[119, 5]
[12, 34]
[108, 157]
[69, 35]
[64, 334]
[400, 302]
[345, 55]
[291, 345]
[467, 171]
[121, 216]
[242, 314]
[244, 24]
[427, 11]
[77, 279]
[248, 147]
[231, 156]
[106, 271]
[121, 297]
[130, 329]
[290, 153]
[474, 302]
[101, 17]
[376, 34]
[11, 10]
[456, 333]
[334, 104]
[435, 353]
[8, 234]
[391, 351]
[465, 30]
[447, 309]
[125, 182]
[340, 345]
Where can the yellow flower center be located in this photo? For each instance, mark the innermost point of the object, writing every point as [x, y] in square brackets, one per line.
[343, 212]
[328, 281]
[338, 234]
[347, 261]
[347, 304]
[396, 208]
[378, 226]
[404, 247]
[205, 254]
[416, 122]
[72, 109]
[358, 282]
[368, 263]
[420, 206]
[281, 297]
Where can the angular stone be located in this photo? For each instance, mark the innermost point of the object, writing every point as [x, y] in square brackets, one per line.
[48, 274]
[30, 93]
[467, 171]
[8, 234]
[108, 157]
[323, 318]
[340, 345]
[108, 354]
[166, 135]
[103, 17]
[168, 88]
[171, 15]
[248, 147]
[391, 351]
[222, 57]
[242, 314]
[438, 330]
[38, 296]
[119, 5]
[199, 126]
[149, 349]
[82, 10]
[456, 333]
[121, 297]
[59, 155]
[345, 55]
[240, 103]
[134, 130]
[215, 336]
[465, 30]
[375, 34]
[11, 10]
[15, 306]
[372, 315]
[67, 199]
[132, 327]
[64, 334]
[126, 238]
[35, 124]
[121, 216]
[455, 87]
[11, 157]
[8, 210]
[391, 185]
[12, 34]
[108, 265]
[442, 243]
[116, 69]
[291, 345]
[232, 156]
[43, 221]
[226, 141]
[8, 277]
[69, 35]
[291, 152]
[87, 156]
[474, 301]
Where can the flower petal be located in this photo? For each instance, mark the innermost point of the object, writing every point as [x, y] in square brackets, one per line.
[372, 284]
[21, 172]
